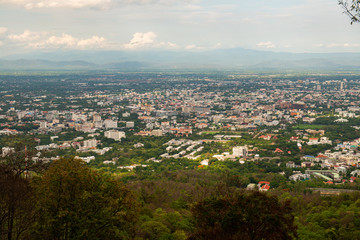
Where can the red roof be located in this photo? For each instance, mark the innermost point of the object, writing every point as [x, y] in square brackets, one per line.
[278, 150]
[264, 182]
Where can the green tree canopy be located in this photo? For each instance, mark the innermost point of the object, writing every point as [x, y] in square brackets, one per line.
[243, 216]
[76, 202]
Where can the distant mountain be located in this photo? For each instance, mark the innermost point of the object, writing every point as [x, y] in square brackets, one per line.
[27, 64]
[236, 58]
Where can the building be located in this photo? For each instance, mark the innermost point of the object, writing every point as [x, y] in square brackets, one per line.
[96, 118]
[114, 134]
[43, 124]
[108, 123]
[157, 132]
[240, 151]
[130, 124]
[290, 164]
[6, 151]
[91, 143]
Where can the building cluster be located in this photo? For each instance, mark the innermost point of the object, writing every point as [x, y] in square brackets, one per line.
[106, 110]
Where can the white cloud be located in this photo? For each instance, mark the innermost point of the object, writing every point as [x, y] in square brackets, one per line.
[267, 44]
[99, 4]
[1, 43]
[68, 41]
[140, 40]
[166, 45]
[335, 45]
[27, 36]
[30, 4]
[65, 40]
[194, 47]
[94, 41]
[161, 2]
[147, 40]
[3, 30]
[191, 46]
[31, 39]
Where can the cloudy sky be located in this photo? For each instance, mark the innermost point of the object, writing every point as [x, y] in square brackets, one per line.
[192, 25]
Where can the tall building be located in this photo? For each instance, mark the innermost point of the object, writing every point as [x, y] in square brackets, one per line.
[240, 151]
[342, 85]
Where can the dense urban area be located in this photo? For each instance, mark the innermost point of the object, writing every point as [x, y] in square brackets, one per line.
[180, 145]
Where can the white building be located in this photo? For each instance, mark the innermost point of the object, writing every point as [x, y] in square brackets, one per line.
[86, 159]
[90, 143]
[43, 124]
[130, 124]
[98, 124]
[157, 132]
[240, 151]
[205, 162]
[126, 114]
[110, 124]
[6, 151]
[114, 134]
[96, 118]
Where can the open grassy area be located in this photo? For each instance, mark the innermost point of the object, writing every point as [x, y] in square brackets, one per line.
[308, 126]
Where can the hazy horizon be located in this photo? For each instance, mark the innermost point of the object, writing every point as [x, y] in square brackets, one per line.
[193, 25]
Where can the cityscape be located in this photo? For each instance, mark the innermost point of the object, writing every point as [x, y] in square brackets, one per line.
[179, 120]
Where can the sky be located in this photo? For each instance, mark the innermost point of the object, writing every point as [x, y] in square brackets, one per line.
[179, 25]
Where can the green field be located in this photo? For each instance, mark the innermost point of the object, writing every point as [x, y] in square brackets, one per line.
[308, 126]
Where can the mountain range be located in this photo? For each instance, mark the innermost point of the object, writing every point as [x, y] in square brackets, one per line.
[227, 59]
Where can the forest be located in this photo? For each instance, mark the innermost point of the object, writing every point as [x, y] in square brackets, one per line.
[68, 199]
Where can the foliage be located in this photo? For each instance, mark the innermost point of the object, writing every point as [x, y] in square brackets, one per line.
[352, 9]
[76, 202]
[16, 212]
[243, 216]
[20, 158]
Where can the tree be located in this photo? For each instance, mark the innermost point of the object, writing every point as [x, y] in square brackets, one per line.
[243, 216]
[154, 230]
[76, 202]
[16, 205]
[352, 9]
[20, 156]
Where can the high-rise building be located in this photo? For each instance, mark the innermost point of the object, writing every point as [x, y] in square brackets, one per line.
[240, 151]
